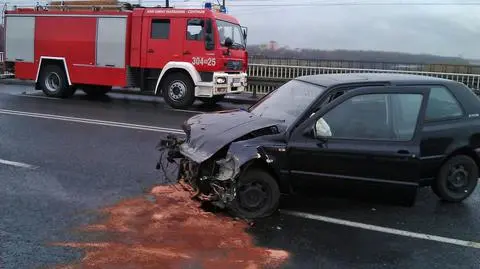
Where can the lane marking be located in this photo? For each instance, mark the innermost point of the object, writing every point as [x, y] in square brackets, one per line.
[35, 96]
[382, 229]
[93, 121]
[18, 164]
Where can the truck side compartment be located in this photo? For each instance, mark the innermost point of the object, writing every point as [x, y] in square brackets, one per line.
[95, 47]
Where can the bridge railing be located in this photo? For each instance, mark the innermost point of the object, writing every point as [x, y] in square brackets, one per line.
[264, 78]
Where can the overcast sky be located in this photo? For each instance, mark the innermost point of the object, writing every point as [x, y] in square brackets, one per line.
[448, 30]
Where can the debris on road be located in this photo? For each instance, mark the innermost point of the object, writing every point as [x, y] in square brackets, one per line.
[172, 231]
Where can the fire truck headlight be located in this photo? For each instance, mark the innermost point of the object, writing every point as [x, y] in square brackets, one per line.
[221, 80]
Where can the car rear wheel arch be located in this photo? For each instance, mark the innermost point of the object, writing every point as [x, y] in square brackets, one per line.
[468, 151]
[458, 163]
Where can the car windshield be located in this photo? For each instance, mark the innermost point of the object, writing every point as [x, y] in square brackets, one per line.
[234, 31]
[288, 101]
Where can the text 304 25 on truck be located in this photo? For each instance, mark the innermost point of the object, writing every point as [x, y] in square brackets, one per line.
[388, 129]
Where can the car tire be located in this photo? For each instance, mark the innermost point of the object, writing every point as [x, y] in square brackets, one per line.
[457, 179]
[178, 91]
[54, 83]
[212, 100]
[253, 182]
[95, 91]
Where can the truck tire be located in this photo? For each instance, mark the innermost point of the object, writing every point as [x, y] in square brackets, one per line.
[212, 100]
[457, 179]
[95, 90]
[53, 82]
[256, 182]
[178, 90]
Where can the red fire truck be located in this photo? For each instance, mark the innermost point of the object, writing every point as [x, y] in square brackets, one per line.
[180, 54]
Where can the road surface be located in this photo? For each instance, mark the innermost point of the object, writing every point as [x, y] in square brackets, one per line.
[63, 160]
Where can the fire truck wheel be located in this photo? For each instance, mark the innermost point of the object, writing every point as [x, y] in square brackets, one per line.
[178, 90]
[212, 100]
[53, 82]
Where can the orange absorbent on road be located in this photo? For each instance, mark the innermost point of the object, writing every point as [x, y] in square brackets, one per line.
[172, 231]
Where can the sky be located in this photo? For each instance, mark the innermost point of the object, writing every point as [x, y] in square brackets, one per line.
[440, 27]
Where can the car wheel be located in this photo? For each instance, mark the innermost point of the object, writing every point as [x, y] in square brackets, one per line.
[53, 82]
[257, 195]
[457, 179]
[179, 90]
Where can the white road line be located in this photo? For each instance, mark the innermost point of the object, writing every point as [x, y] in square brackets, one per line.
[36, 96]
[17, 164]
[384, 229]
[93, 121]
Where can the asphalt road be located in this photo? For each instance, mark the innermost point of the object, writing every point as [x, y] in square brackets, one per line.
[55, 173]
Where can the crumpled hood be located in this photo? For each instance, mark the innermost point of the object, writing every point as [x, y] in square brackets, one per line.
[208, 133]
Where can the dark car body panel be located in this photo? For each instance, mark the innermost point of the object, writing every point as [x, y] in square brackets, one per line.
[207, 133]
[369, 161]
[301, 161]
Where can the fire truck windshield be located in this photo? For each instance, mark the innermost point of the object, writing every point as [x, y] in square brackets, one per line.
[231, 30]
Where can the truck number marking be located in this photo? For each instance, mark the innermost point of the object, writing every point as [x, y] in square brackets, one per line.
[204, 61]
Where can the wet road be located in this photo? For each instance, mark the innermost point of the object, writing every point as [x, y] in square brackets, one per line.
[55, 172]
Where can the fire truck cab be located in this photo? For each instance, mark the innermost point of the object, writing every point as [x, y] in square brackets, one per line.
[181, 54]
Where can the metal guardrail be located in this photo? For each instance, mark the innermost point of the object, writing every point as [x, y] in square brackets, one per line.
[263, 78]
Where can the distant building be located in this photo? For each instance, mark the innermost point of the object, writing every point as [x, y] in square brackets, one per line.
[273, 45]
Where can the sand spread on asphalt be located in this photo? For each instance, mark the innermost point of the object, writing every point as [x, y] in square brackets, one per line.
[171, 231]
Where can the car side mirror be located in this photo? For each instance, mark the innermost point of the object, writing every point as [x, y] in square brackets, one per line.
[244, 30]
[321, 130]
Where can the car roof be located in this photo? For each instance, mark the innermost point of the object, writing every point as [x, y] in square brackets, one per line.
[328, 80]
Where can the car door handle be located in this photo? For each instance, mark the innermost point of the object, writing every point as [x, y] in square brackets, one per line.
[403, 152]
[150, 51]
[186, 52]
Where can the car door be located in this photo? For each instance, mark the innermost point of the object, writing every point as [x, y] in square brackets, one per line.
[164, 41]
[374, 139]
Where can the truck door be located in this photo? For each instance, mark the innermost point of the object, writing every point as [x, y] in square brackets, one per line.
[194, 45]
[164, 44]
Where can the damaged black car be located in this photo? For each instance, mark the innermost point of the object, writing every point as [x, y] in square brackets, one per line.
[394, 129]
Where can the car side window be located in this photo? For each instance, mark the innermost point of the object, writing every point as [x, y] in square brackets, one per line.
[442, 105]
[195, 29]
[160, 29]
[373, 117]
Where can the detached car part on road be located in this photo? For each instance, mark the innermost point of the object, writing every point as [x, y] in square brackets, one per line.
[391, 129]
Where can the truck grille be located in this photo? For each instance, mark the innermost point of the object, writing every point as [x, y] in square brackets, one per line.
[234, 65]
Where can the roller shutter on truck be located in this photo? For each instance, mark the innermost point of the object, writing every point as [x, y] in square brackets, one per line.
[84, 41]
[20, 38]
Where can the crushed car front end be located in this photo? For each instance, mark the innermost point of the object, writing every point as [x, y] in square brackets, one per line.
[213, 152]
